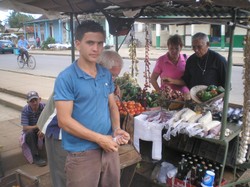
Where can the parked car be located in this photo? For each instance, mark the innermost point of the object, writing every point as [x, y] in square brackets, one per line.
[6, 46]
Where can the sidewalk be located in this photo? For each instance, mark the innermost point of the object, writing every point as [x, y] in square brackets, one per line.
[154, 53]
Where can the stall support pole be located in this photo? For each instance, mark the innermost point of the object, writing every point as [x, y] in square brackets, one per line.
[72, 38]
[228, 81]
[226, 97]
[224, 161]
[237, 150]
[116, 44]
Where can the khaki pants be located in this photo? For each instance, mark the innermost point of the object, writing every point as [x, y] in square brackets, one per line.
[93, 168]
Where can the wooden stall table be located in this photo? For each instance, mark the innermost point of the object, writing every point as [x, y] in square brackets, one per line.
[129, 157]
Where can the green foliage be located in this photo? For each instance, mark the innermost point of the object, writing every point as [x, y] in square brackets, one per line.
[45, 44]
[16, 19]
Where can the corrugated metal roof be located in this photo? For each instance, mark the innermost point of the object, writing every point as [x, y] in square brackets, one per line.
[219, 11]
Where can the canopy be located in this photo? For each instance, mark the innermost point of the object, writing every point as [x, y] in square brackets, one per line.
[175, 11]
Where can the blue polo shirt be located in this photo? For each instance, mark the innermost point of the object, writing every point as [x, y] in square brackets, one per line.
[90, 98]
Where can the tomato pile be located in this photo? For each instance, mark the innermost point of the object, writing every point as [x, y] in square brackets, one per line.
[132, 107]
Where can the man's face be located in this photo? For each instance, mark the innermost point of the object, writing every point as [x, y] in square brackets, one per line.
[200, 47]
[115, 71]
[91, 46]
[34, 103]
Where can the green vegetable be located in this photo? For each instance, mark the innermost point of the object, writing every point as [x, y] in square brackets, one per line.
[200, 93]
[220, 89]
[211, 87]
[206, 96]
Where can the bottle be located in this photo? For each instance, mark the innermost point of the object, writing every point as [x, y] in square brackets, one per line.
[183, 158]
[199, 178]
[190, 158]
[180, 171]
[200, 159]
[185, 168]
[217, 175]
[210, 166]
[190, 165]
[203, 164]
[193, 175]
[195, 162]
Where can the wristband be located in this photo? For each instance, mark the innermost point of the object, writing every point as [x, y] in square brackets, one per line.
[117, 128]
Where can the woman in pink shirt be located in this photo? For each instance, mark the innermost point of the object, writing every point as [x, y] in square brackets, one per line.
[170, 67]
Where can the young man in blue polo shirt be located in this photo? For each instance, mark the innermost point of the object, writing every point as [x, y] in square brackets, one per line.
[88, 114]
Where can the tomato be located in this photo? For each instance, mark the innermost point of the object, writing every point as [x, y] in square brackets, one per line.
[131, 106]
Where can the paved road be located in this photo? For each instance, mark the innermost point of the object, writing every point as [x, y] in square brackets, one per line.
[52, 65]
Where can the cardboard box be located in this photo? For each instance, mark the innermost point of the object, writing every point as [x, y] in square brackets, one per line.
[174, 182]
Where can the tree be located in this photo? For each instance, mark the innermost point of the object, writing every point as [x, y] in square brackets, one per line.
[17, 19]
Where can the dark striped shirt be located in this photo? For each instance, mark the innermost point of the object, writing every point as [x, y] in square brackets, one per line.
[28, 117]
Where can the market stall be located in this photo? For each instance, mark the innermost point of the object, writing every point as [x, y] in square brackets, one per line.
[219, 125]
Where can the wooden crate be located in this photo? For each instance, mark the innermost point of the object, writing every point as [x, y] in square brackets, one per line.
[129, 158]
[19, 179]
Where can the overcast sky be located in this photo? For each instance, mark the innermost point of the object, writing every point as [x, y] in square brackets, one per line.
[4, 15]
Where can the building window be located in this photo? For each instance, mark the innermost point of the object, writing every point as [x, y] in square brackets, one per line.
[215, 34]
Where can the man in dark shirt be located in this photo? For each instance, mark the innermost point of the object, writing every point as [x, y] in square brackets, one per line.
[204, 67]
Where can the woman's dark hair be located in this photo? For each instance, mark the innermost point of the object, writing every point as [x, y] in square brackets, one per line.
[175, 40]
[88, 26]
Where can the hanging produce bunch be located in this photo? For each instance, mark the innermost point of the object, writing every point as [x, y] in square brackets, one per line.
[132, 54]
[147, 63]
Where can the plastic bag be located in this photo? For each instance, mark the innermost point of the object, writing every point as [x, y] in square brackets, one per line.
[167, 170]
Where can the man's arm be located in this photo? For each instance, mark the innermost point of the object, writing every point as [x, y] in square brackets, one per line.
[25, 122]
[122, 137]
[29, 128]
[70, 125]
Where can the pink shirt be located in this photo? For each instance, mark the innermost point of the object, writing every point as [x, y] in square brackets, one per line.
[165, 68]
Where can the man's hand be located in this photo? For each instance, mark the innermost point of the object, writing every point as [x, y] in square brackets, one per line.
[40, 134]
[121, 137]
[107, 143]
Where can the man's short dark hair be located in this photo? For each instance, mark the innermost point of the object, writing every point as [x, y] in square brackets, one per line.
[88, 26]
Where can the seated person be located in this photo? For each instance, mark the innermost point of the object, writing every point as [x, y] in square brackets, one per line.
[32, 137]
[23, 46]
